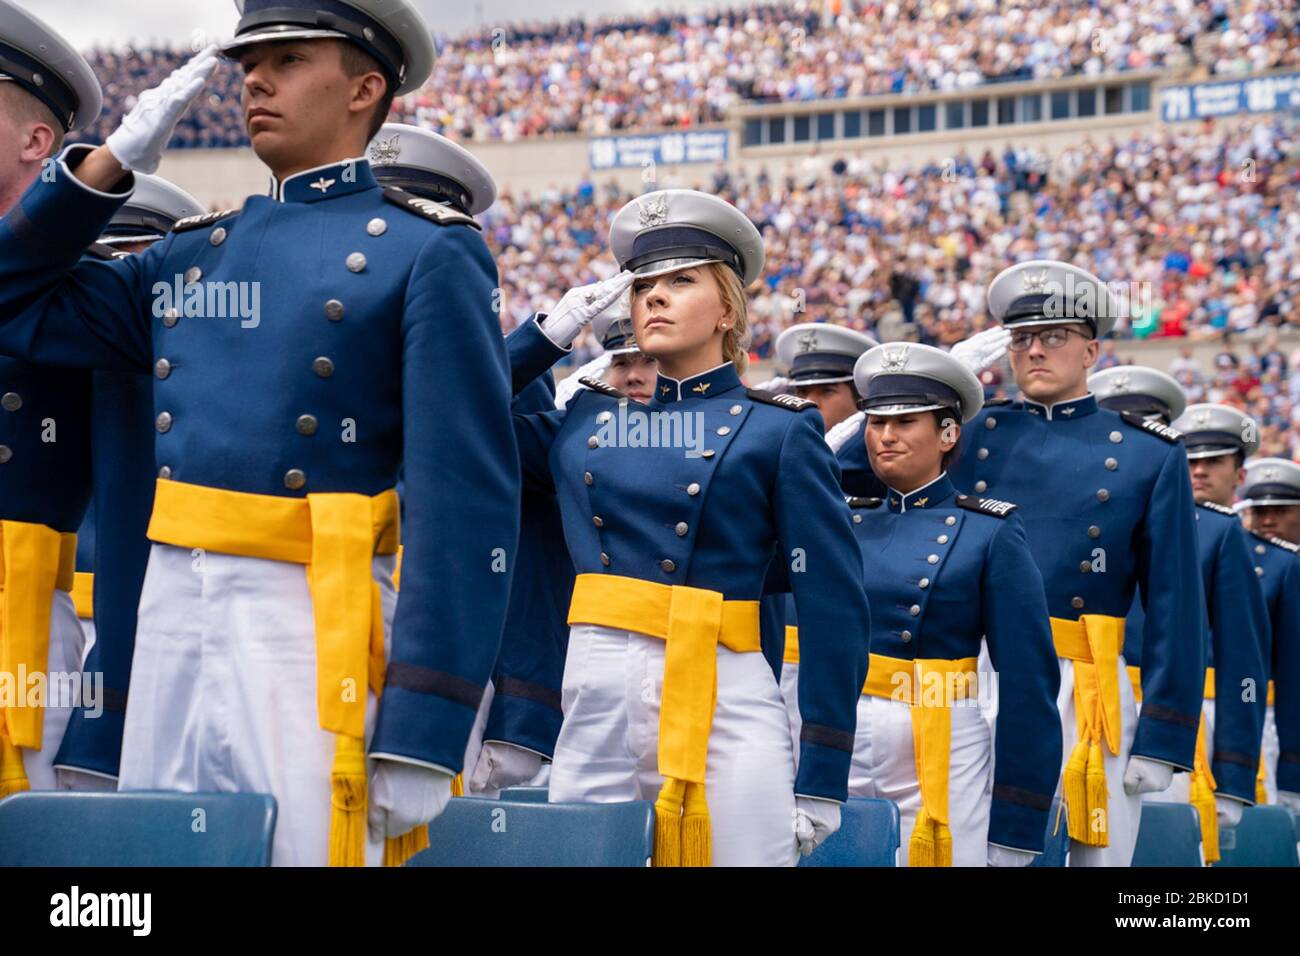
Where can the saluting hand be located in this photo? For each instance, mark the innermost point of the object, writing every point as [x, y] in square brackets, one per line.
[982, 349]
[139, 141]
[579, 306]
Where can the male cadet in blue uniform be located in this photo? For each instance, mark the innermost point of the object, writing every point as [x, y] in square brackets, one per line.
[1270, 503]
[280, 432]
[1222, 781]
[1108, 508]
[116, 525]
[519, 717]
[46, 90]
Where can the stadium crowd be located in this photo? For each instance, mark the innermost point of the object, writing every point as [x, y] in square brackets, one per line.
[675, 69]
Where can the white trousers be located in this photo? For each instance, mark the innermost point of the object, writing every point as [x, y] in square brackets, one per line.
[1270, 748]
[223, 691]
[67, 643]
[1124, 812]
[88, 629]
[884, 766]
[790, 697]
[607, 751]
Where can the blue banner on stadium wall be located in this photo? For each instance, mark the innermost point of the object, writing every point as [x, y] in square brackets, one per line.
[1261, 94]
[624, 152]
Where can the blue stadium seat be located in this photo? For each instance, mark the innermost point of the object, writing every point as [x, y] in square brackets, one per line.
[62, 828]
[524, 794]
[1056, 846]
[1265, 837]
[504, 833]
[1168, 835]
[868, 836]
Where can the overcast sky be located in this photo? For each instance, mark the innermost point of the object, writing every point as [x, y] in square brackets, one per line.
[88, 23]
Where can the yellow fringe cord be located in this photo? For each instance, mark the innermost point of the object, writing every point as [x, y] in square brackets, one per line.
[668, 823]
[397, 850]
[1098, 797]
[930, 843]
[1075, 792]
[458, 785]
[348, 802]
[13, 778]
[697, 834]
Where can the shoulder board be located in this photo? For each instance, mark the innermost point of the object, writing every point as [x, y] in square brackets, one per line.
[1280, 542]
[596, 385]
[792, 403]
[988, 506]
[198, 222]
[994, 403]
[427, 208]
[853, 502]
[1159, 429]
[101, 251]
[1215, 506]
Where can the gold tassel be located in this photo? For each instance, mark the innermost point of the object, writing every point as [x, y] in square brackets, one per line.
[397, 850]
[1261, 792]
[1201, 796]
[1098, 798]
[668, 823]
[348, 800]
[458, 785]
[697, 835]
[930, 843]
[13, 777]
[1075, 793]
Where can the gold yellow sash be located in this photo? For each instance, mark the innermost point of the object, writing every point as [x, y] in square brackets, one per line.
[1093, 643]
[791, 653]
[83, 595]
[693, 622]
[334, 535]
[34, 562]
[931, 687]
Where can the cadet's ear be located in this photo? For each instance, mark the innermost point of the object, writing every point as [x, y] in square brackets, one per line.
[1091, 352]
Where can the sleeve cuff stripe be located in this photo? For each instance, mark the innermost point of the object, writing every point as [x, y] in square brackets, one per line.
[827, 737]
[425, 680]
[527, 690]
[1026, 798]
[1156, 712]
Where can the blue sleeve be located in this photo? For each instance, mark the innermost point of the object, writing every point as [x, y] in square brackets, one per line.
[1173, 643]
[531, 354]
[815, 536]
[461, 476]
[1018, 629]
[1238, 623]
[1286, 678]
[57, 309]
[771, 628]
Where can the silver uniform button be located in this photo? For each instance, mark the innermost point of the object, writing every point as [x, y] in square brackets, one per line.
[735, 409]
[165, 471]
[923, 583]
[356, 262]
[668, 565]
[322, 366]
[693, 489]
[294, 479]
[1116, 437]
[724, 430]
[981, 486]
[1103, 494]
[603, 417]
[682, 528]
[162, 368]
[1094, 531]
[857, 519]
[588, 477]
[376, 227]
[1259, 548]
[598, 521]
[171, 317]
[11, 402]
[1085, 567]
[943, 539]
[906, 636]
[1259, 572]
[333, 310]
[1111, 464]
[218, 236]
[604, 559]
[306, 424]
[950, 520]
[990, 423]
[193, 274]
[163, 422]
[982, 454]
[933, 559]
[5, 453]
[914, 610]
[1076, 602]
[593, 441]
[707, 453]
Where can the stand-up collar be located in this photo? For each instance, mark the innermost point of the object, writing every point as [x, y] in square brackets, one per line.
[1064, 411]
[705, 385]
[325, 182]
[930, 495]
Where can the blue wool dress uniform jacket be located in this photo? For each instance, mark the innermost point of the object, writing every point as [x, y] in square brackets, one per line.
[1279, 572]
[369, 313]
[529, 672]
[1097, 489]
[766, 486]
[1236, 647]
[118, 551]
[984, 584]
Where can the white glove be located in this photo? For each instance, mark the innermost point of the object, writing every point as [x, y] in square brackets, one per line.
[1229, 811]
[982, 349]
[139, 140]
[776, 384]
[574, 312]
[1291, 801]
[814, 821]
[404, 796]
[1005, 856]
[839, 436]
[69, 778]
[572, 385]
[502, 765]
[1146, 776]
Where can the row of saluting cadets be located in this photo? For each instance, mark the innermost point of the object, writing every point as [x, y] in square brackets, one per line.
[819, 598]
